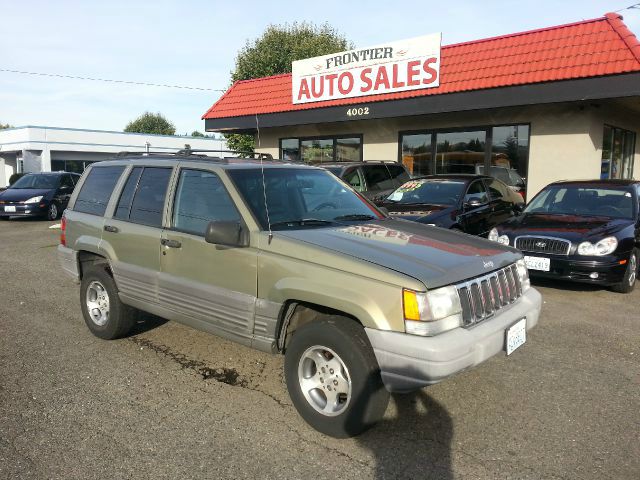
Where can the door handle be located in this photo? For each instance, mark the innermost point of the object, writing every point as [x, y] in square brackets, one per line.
[111, 228]
[170, 243]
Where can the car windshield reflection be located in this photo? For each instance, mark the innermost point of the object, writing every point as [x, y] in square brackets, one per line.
[583, 201]
[300, 198]
[428, 191]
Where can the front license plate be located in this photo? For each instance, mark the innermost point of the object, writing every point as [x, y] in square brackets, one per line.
[537, 263]
[516, 335]
[9, 208]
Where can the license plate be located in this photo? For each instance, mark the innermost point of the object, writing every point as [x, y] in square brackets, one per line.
[516, 335]
[9, 208]
[537, 263]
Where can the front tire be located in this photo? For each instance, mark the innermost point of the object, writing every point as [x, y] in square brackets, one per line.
[631, 275]
[53, 211]
[333, 377]
[105, 315]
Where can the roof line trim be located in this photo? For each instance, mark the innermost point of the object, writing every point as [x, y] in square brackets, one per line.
[627, 36]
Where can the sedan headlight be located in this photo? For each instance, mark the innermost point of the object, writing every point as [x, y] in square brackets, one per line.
[34, 199]
[523, 274]
[433, 312]
[603, 247]
[495, 236]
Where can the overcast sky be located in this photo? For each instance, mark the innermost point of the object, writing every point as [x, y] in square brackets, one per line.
[194, 43]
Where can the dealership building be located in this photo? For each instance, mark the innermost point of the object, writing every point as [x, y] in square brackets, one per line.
[556, 103]
[45, 149]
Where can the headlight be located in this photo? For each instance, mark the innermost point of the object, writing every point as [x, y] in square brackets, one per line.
[523, 274]
[495, 236]
[34, 199]
[432, 312]
[603, 247]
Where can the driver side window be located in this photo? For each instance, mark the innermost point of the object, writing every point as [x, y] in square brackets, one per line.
[476, 191]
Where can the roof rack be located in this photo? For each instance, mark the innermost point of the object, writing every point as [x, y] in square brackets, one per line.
[191, 151]
[200, 154]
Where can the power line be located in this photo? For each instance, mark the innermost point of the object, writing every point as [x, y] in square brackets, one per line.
[635, 6]
[109, 80]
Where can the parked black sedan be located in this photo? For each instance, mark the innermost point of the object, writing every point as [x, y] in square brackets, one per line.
[470, 203]
[585, 231]
[38, 195]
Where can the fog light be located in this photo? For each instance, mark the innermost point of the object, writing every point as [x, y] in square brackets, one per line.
[594, 275]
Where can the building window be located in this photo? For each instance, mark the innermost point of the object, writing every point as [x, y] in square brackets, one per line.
[322, 149]
[74, 166]
[510, 148]
[416, 153]
[460, 152]
[618, 148]
[20, 166]
[503, 149]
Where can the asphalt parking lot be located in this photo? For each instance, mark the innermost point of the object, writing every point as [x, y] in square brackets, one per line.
[171, 402]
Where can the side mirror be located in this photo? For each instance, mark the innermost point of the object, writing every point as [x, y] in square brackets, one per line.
[229, 234]
[518, 207]
[473, 203]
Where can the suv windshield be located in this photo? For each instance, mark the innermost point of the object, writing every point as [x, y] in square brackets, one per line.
[587, 201]
[37, 181]
[429, 191]
[299, 198]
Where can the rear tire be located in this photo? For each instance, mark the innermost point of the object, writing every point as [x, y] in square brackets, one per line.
[631, 275]
[105, 315]
[333, 377]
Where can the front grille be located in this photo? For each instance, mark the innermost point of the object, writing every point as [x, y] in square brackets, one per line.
[484, 296]
[556, 246]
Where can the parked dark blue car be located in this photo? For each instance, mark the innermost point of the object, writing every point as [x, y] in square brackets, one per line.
[584, 231]
[38, 195]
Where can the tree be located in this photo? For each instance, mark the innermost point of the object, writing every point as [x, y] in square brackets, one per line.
[196, 133]
[153, 123]
[5, 125]
[273, 53]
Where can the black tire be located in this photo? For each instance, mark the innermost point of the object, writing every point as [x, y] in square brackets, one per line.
[368, 399]
[53, 211]
[631, 275]
[120, 318]
[5, 218]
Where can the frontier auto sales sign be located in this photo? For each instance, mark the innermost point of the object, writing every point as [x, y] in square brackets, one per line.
[394, 67]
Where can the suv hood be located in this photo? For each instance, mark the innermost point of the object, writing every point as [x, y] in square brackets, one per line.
[22, 194]
[432, 255]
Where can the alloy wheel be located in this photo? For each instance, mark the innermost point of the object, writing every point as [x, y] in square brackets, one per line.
[324, 380]
[97, 301]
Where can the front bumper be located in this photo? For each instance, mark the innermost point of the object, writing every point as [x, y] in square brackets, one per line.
[410, 362]
[609, 269]
[24, 209]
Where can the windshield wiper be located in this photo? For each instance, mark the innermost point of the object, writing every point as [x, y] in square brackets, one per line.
[355, 216]
[313, 222]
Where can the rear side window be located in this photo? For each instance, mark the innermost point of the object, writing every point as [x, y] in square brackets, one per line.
[398, 173]
[96, 190]
[377, 177]
[148, 198]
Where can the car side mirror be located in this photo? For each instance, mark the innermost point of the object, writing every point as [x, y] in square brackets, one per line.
[229, 234]
[473, 203]
[518, 208]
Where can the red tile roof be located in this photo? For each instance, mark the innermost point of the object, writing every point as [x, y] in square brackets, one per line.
[591, 48]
